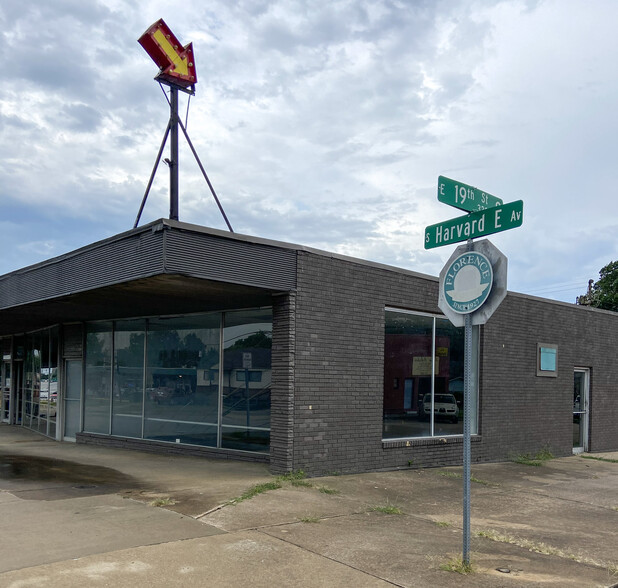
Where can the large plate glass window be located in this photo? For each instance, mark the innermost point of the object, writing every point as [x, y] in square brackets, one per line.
[98, 390]
[181, 402]
[247, 342]
[128, 378]
[170, 379]
[423, 376]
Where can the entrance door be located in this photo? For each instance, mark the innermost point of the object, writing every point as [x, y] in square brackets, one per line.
[581, 401]
[72, 398]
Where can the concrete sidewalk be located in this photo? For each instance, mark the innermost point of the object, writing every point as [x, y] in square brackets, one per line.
[81, 515]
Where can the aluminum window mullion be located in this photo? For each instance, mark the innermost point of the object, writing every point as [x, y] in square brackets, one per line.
[144, 377]
[220, 392]
[433, 374]
[111, 378]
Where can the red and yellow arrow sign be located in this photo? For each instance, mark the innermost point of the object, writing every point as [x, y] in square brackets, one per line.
[176, 62]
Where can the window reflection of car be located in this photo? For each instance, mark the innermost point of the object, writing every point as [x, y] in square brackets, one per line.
[169, 395]
[444, 407]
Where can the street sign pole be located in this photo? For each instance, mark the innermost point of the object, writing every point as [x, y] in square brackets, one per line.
[173, 163]
[487, 214]
[467, 436]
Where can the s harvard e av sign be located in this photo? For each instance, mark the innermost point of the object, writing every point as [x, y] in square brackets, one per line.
[476, 224]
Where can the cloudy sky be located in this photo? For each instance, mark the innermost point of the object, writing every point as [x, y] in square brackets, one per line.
[324, 123]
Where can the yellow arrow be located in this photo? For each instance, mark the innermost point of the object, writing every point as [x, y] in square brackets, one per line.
[180, 64]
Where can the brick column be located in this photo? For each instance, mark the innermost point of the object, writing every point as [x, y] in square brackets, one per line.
[282, 388]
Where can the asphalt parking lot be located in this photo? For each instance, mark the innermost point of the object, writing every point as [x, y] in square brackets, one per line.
[81, 515]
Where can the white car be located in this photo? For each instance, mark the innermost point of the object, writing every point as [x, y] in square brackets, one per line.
[444, 407]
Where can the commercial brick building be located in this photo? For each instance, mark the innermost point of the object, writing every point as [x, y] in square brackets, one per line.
[173, 337]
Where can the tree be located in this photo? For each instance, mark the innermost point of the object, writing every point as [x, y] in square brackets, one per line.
[604, 292]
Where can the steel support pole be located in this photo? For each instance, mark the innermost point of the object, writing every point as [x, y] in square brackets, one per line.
[466, 432]
[199, 163]
[152, 175]
[174, 120]
[466, 438]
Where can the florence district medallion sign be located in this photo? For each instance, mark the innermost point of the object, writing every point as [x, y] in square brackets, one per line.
[467, 282]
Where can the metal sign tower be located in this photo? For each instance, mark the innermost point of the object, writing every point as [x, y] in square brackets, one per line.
[176, 70]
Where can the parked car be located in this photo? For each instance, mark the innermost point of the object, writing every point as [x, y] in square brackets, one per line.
[444, 407]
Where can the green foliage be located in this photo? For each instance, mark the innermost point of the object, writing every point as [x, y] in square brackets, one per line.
[295, 478]
[534, 460]
[458, 565]
[158, 502]
[607, 459]
[293, 475]
[473, 478]
[387, 508]
[255, 490]
[259, 340]
[604, 293]
[327, 490]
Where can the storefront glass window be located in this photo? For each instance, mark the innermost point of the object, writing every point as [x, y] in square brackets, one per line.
[128, 375]
[247, 345]
[37, 392]
[97, 393]
[160, 379]
[423, 376]
[182, 400]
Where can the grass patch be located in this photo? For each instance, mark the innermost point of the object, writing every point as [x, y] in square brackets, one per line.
[301, 483]
[293, 476]
[458, 565]
[615, 508]
[327, 490]
[479, 481]
[310, 520]
[545, 549]
[472, 478]
[443, 524]
[451, 474]
[605, 459]
[534, 460]
[389, 509]
[255, 490]
[158, 502]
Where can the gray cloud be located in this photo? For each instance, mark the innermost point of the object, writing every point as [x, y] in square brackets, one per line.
[320, 123]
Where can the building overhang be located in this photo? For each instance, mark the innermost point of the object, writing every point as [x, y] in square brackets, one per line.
[163, 268]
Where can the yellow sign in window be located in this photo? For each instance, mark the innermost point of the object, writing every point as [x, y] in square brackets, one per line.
[421, 366]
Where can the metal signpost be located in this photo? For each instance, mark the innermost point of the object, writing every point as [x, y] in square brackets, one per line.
[176, 70]
[472, 285]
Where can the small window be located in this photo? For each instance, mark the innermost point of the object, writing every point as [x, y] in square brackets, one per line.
[250, 376]
[547, 360]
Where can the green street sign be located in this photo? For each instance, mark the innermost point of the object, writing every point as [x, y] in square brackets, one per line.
[476, 224]
[464, 197]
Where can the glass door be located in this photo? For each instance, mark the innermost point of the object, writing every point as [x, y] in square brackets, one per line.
[72, 398]
[581, 403]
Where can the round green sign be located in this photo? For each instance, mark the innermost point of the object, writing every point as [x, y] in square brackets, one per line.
[467, 282]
